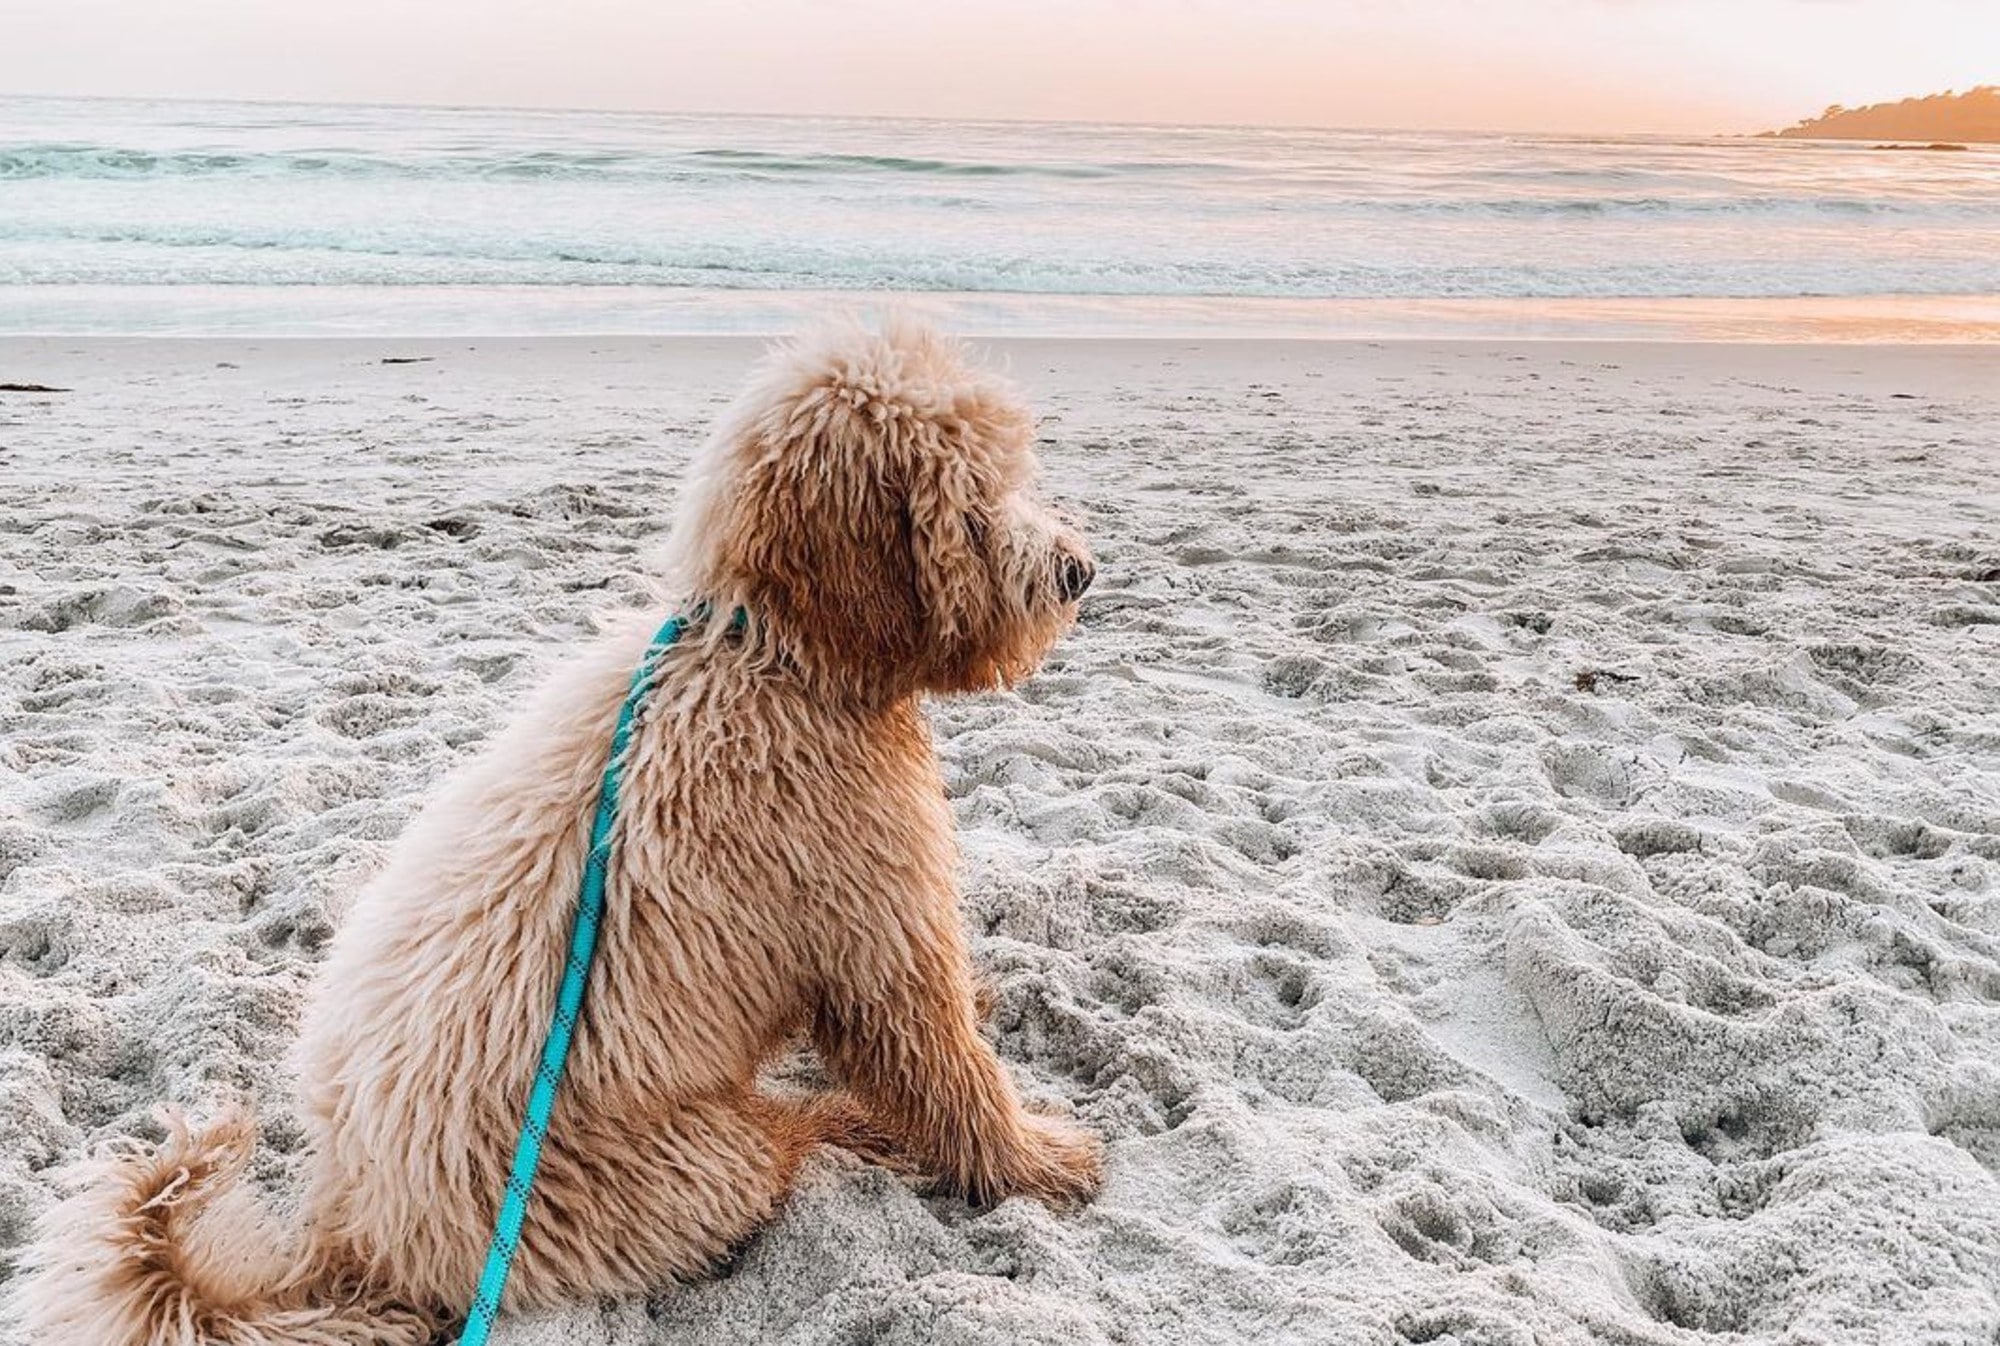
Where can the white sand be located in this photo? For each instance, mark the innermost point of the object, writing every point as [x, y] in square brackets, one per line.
[1512, 854]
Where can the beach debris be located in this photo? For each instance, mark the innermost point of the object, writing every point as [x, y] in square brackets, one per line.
[452, 525]
[408, 359]
[1587, 678]
[29, 388]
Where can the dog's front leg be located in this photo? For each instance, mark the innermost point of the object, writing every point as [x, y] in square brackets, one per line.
[901, 1030]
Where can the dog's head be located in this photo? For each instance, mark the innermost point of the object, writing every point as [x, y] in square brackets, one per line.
[870, 504]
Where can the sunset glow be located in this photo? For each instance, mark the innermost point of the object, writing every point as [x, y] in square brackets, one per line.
[1576, 65]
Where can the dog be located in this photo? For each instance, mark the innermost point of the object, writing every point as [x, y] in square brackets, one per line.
[862, 529]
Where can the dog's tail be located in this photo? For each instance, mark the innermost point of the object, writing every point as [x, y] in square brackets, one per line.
[164, 1246]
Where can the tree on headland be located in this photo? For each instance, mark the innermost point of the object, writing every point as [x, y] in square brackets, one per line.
[1970, 116]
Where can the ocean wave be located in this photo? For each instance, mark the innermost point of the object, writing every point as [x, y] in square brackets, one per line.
[86, 162]
[768, 162]
[101, 162]
[237, 256]
[1281, 193]
[1706, 205]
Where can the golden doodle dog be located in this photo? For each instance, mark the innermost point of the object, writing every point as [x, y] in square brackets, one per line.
[782, 865]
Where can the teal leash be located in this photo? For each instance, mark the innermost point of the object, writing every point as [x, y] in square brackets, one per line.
[569, 1003]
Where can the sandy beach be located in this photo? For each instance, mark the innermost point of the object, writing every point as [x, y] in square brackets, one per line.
[1510, 855]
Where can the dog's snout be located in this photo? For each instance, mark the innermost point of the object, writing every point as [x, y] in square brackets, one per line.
[1073, 576]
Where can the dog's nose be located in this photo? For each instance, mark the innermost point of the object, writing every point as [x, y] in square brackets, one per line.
[1073, 576]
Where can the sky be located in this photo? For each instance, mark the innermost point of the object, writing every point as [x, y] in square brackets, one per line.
[1515, 65]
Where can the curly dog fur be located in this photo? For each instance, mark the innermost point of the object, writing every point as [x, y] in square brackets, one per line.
[783, 865]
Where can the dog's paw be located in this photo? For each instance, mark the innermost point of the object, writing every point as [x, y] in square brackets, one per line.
[1060, 1163]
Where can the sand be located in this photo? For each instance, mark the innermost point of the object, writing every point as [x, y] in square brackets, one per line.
[1511, 854]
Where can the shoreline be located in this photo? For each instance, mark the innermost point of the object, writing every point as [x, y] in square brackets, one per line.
[493, 312]
[636, 372]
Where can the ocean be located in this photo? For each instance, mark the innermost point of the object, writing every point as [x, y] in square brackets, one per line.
[240, 218]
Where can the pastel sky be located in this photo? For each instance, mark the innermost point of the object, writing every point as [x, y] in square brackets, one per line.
[1576, 65]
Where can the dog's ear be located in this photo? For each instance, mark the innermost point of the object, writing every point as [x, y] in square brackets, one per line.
[953, 527]
[822, 550]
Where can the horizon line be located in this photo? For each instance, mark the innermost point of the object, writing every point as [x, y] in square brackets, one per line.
[876, 117]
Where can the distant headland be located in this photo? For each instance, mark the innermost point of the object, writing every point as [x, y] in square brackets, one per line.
[1970, 116]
